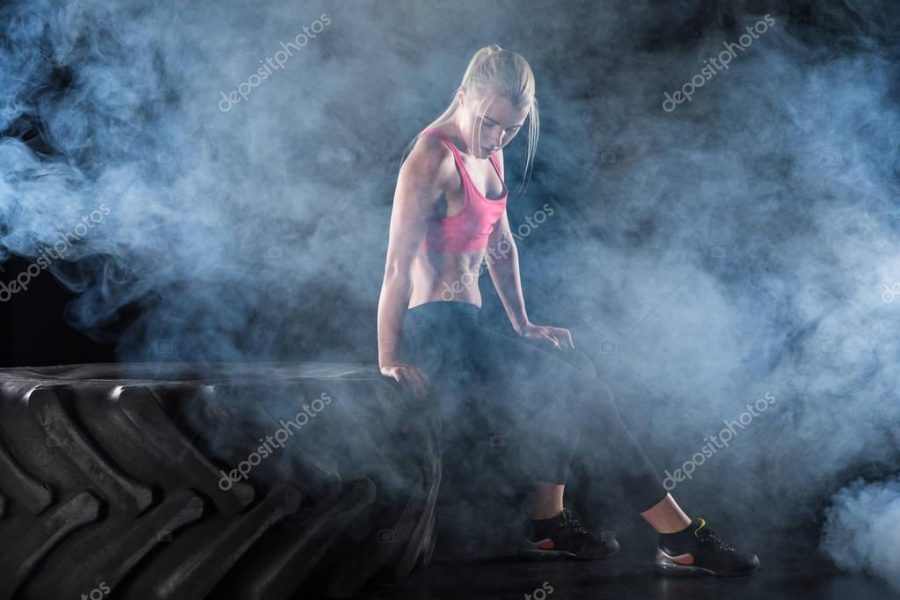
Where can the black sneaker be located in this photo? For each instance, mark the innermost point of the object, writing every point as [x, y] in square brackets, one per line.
[700, 552]
[564, 537]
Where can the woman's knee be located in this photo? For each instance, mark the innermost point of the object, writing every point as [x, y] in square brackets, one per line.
[593, 395]
[579, 360]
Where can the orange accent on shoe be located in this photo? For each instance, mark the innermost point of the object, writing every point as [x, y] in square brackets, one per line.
[546, 544]
[681, 559]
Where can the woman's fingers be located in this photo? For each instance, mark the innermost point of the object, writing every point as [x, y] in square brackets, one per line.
[417, 384]
[414, 380]
[562, 337]
[426, 384]
[410, 378]
[399, 376]
[423, 379]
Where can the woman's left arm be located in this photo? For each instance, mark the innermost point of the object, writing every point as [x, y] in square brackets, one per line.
[502, 258]
[503, 264]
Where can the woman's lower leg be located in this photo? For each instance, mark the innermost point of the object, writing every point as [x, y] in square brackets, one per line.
[548, 500]
[666, 516]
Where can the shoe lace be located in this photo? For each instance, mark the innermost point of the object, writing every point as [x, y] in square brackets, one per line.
[570, 522]
[708, 536]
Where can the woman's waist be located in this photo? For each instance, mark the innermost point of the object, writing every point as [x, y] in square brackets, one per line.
[456, 282]
[441, 264]
[435, 314]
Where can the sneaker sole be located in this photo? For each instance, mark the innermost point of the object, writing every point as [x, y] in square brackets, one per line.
[671, 569]
[535, 553]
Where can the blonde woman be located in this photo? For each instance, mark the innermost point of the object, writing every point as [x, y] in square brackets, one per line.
[449, 215]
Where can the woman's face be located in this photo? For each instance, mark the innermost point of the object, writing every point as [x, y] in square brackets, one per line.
[487, 132]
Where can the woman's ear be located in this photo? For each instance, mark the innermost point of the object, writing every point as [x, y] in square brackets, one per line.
[460, 95]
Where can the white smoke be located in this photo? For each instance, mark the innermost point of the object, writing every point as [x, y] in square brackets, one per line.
[738, 245]
[862, 529]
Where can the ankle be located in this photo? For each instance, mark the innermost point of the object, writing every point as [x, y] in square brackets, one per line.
[547, 501]
[544, 513]
[677, 538]
[674, 527]
[673, 531]
[546, 526]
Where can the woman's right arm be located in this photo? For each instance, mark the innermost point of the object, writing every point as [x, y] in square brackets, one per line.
[419, 187]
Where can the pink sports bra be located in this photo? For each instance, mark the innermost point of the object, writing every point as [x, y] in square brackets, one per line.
[467, 230]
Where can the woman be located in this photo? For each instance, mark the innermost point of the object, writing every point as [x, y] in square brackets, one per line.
[443, 226]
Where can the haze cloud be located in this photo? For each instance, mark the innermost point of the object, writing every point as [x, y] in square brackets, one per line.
[739, 245]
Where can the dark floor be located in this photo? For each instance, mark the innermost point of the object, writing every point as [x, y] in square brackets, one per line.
[627, 576]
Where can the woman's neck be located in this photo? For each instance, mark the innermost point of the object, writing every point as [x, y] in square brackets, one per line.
[455, 135]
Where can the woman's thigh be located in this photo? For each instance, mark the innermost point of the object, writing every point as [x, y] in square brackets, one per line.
[507, 379]
[528, 366]
[443, 351]
[532, 388]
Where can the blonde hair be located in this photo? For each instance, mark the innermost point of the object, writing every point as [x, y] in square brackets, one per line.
[505, 73]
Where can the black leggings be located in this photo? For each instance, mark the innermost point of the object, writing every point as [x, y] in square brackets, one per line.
[546, 408]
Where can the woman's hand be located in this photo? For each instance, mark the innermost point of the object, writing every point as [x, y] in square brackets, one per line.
[409, 377]
[558, 337]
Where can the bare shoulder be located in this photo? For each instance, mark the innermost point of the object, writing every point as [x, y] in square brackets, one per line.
[429, 164]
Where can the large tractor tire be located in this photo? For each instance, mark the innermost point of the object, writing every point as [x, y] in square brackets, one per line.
[222, 481]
